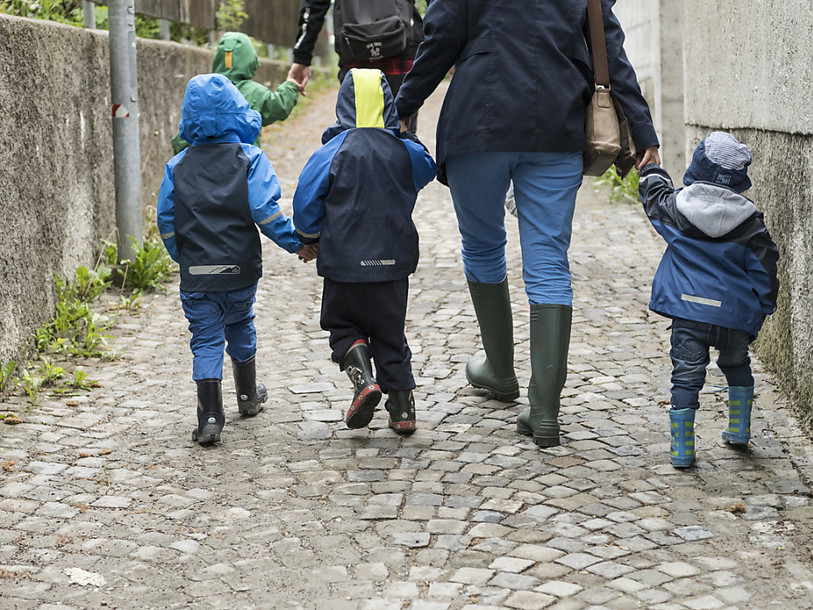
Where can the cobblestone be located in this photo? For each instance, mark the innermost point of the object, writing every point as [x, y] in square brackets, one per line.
[106, 502]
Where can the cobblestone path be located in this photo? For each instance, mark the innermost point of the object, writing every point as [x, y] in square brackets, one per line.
[107, 503]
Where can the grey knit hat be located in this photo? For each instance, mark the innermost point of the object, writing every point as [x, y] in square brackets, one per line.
[720, 159]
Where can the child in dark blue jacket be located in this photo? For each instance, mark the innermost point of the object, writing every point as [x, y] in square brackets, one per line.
[355, 197]
[717, 281]
[214, 195]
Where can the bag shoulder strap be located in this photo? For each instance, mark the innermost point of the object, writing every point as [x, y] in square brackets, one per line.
[598, 43]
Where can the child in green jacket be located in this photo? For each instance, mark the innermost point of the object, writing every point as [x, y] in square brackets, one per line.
[236, 59]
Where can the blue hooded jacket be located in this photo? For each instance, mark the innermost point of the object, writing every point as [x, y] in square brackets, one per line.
[357, 192]
[215, 192]
[720, 263]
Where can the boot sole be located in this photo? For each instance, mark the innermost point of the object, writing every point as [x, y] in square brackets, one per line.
[209, 435]
[541, 441]
[509, 396]
[403, 427]
[361, 411]
[682, 465]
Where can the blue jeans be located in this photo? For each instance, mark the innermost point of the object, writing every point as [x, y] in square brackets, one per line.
[690, 356]
[217, 319]
[545, 187]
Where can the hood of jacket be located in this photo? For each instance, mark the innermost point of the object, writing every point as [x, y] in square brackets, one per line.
[364, 100]
[714, 210]
[215, 111]
[235, 57]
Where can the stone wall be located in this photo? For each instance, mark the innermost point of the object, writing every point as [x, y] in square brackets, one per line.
[56, 154]
[654, 45]
[746, 67]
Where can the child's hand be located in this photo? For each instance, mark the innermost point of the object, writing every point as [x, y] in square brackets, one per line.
[308, 253]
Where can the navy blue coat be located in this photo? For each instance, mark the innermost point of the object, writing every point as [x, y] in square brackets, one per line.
[523, 76]
[356, 193]
[720, 265]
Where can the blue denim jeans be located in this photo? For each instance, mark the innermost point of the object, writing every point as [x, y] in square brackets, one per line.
[545, 187]
[690, 357]
[217, 319]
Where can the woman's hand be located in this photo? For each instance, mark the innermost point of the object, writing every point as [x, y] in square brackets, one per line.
[650, 155]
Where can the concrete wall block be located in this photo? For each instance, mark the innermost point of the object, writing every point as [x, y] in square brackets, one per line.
[56, 154]
[749, 64]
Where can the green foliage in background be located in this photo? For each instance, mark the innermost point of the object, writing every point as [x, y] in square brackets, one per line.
[62, 11]
[621, 190]
[230, 15]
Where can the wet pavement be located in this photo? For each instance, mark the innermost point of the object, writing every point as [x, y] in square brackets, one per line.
[105, 502]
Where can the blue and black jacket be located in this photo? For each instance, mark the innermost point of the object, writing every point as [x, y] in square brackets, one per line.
[356, 193]
[215, 193]
[720, 263]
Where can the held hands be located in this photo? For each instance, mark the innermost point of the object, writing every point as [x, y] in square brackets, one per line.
[308, 253]
[650, 155]
[300, 75]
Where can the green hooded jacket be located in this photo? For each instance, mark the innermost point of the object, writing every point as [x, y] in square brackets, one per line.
[236, 59]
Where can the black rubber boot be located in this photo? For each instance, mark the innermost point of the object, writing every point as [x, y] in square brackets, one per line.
[366, 392]
[250, 394]
[494, 371]
[210, 412]
[401, 407]
[550, 339]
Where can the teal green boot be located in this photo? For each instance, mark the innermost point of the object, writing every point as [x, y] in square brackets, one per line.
[681, 453]
[494, 371]
[740, 403]
[550, 339]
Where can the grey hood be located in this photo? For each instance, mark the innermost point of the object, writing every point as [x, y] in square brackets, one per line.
[714, 210]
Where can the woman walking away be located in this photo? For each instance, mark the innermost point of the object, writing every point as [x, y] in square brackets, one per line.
[515, 111]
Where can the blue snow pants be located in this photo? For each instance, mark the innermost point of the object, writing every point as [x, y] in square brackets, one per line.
[217, 319]
[545, 187]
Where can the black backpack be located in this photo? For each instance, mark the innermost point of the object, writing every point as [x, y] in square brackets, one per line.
[371, 29]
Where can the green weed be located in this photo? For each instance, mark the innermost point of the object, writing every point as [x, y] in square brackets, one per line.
[80, 380]
[621, 190]
[48, 372]
[75, 328]
[31, 384]
[6, 371]
[151, 266]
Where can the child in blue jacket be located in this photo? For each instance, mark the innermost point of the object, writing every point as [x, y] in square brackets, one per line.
[214, 195]
[355, 197]
[717, 281]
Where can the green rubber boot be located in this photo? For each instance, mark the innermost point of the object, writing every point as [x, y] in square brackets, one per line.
[550, 339]
[494, 371]
[740, 403]
[681, 452]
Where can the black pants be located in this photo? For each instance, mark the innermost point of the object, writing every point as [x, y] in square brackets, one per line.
[376, 313]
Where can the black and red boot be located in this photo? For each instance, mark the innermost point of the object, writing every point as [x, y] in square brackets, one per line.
[401, 407]
[250, 393]
[210, 412]
[366, 392]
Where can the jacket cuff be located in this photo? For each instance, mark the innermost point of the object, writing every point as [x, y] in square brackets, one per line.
[304, 59]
